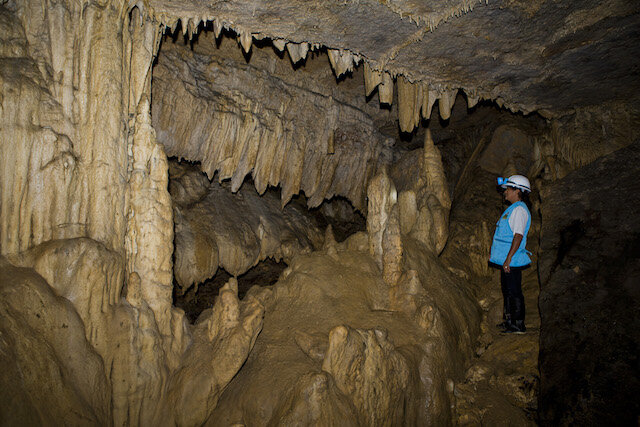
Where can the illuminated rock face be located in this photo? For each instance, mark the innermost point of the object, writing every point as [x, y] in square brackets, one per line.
[215, 228]
[375, 330]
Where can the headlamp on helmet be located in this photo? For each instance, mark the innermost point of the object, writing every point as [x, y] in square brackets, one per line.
[516, 181]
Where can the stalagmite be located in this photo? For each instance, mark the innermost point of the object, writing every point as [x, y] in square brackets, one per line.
[385, 89]
[424, 201]
[372, 79]
[407, 210]
[382, 198]
[150, 214]
[447, 98]
[436, 185]
[392, 249]
[224, 338]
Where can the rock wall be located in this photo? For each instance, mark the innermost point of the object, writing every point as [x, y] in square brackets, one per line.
[383, 329]
[64, 155]
[589, 270]
[578, 139]
[85, 204]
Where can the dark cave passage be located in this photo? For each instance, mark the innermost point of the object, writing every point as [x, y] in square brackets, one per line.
[220, 234]
[202, 296]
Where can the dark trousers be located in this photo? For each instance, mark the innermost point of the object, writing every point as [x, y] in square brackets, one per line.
[511, 283]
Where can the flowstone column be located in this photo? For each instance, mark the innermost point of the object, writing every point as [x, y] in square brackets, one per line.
[149, 237]
[383, 228]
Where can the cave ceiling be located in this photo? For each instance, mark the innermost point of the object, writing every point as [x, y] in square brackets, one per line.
[546, 56]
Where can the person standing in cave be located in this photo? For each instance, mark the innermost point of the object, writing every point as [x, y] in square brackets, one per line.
[508, 252]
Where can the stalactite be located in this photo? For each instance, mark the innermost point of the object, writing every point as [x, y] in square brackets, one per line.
[278, 146]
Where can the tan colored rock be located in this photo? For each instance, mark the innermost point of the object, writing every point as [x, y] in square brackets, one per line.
[341, 61]
[84, 202]
[283, 128]
[424, 200]
[368, 369]
[50, 370]
[222, 341]
[314, 378]
[149, 240]
[385, 89]
[382, 197]
[446, 103]
[316, 400]
[372, 79]
[216, 228]
[392, 249]
[69, 266]
[410, 99]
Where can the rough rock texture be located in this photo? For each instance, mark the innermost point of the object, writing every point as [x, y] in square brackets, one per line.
[589, 301]
[87, 223]
[424, 199]
[64, 170]
[80, 164]
[284, 128]
[112, 368]
[528, 55]
[342, 352]
[580, 138]
[234, 231]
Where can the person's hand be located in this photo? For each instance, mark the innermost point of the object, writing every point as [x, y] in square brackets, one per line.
[506, 267]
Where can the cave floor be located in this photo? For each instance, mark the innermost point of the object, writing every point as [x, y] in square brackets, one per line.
[501, 384]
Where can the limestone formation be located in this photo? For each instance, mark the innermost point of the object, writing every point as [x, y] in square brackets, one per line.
[424, 199]
[215, 228]
[355, 370]
[369, 370]
[267, 124]
[51, 371]
[128, 130]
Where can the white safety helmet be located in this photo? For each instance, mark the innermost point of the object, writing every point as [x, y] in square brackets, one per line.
[516, 181]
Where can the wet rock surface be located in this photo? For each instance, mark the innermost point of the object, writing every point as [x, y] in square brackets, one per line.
[590, 299]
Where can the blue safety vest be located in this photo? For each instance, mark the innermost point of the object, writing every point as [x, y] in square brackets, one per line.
[503, 237]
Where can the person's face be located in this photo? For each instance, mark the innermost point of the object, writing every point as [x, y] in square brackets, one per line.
[511, 195]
